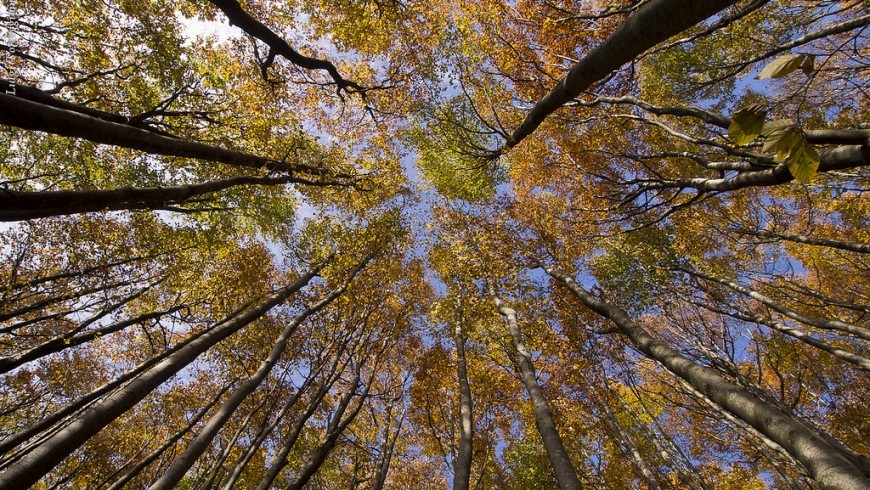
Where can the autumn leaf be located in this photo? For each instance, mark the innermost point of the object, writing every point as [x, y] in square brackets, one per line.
[746, 124]
[803, 162]
[786, 64]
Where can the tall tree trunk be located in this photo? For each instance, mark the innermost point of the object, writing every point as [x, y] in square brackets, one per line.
[462, 465]
[566, 476]
[387, 451]
[653, 23]
[336, 427]
[67, 341]
[629, 445]
[859, 362]
[42, 459]
[18, 206]
[830, 467]
[73, 122]
[280, 459]
[863, 248]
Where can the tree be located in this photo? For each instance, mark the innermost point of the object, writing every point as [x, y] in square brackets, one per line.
[335, 244]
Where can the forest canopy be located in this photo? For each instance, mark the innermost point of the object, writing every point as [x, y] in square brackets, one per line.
[383, 244]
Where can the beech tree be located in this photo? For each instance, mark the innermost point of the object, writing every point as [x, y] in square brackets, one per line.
[386, 244]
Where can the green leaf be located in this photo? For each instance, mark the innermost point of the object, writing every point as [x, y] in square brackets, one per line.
[784, 65]
[775, 125]
[808, 64]
[781, 137]
[746, 124]
[803, 162]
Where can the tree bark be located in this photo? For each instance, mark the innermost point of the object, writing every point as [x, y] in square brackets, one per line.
[653, 23]
[18, 206]
[462, 465]
[822, 323]
[280, 459]
[566, 476]
[141, 465]
[336, 427]
[25, 114]
[60, 343]
[863, 248]
[238, 17]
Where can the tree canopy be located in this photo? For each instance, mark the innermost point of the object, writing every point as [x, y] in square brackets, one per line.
[382, 244]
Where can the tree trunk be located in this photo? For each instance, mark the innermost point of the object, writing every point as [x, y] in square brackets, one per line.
[25, 114]
[822, 323]
[562, 467]
[62, 342]
[141, 465]
[333, 432]
[653, 23]
[18, 206]
[462, 465]
[280, 459]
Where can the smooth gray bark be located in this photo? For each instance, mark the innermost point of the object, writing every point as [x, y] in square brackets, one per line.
[838, 158]
[334, 429]
[822, 323]
[18, 206]
[388, 448]
[566, 476]
[280, 459]
[653, 23]
[141, 465]
[462, 465]
[60, 343]
[26, 114]
[41, 460]
[831, 468]
[859, 362]
[629, 446]
[863, 248]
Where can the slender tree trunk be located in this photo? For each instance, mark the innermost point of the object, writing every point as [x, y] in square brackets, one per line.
[660, 438]
[70, 408]
[830, 467]
[37, 305]
[822, 323]
[630, 446]
[855, 360]
[653, 23]
[41, 460]
[262, 434]
[18, 206]
[566, 476]
[228, 446]
[336, 427]
[863, 248]
[280, 459]
[462, 465]
[58, 344]
[26, 114]
[387, 453]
